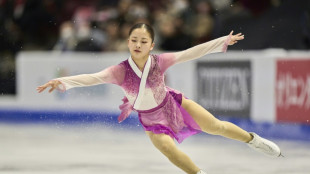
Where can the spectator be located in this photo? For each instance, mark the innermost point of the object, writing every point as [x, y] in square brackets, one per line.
[122, 41]
[112, 31]
[67, 39]
[203, 20]
[173, 38]
[99, 25]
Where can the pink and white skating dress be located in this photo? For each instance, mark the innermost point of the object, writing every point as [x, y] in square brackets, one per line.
[158, 106]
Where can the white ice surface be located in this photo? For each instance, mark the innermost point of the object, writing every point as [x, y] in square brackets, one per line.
[94, 149]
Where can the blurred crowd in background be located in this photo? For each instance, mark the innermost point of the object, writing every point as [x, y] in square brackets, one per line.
[103, 25]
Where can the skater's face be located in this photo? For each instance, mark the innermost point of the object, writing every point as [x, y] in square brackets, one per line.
[140, 43]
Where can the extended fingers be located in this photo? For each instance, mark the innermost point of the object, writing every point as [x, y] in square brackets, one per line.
[43, 87]
[236, 37]
[39, 89]
[239, 36]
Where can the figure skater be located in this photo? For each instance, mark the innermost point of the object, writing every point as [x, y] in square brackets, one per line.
[164, 112]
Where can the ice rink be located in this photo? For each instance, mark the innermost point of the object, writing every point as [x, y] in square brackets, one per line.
[94, 149]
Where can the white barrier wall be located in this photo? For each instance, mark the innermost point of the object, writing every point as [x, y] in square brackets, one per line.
[37, 68]
[242, 83]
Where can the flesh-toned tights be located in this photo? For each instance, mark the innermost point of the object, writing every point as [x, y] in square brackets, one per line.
[208, 123]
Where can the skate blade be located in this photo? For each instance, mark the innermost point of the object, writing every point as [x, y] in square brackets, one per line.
[281, 155]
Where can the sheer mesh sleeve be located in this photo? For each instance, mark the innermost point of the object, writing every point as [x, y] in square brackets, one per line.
[113, 74]
[214, 46]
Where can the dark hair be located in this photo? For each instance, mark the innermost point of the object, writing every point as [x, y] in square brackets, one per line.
[148, 28]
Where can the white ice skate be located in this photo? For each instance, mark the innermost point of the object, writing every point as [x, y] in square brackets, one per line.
[265, 146]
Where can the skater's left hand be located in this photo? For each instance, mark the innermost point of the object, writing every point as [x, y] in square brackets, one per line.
[235, 38]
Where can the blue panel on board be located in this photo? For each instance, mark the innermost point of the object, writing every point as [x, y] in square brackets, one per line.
[268, 130]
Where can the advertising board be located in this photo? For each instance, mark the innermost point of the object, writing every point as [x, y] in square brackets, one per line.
[224, 88]
[293, 90]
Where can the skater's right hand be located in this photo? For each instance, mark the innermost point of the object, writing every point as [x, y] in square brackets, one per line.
[53, 84]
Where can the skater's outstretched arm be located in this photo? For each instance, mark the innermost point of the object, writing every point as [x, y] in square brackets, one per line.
[113, 74]
[213, 46]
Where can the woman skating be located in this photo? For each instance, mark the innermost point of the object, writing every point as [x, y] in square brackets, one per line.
[164, 112]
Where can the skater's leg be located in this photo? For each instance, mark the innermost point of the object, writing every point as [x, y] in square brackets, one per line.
[209, 124]
[165, 144]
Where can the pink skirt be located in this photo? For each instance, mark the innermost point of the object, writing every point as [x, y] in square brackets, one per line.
[169, 118]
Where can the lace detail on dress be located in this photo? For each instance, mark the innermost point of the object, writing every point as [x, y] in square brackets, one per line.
[131, 82]
[156, 81]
